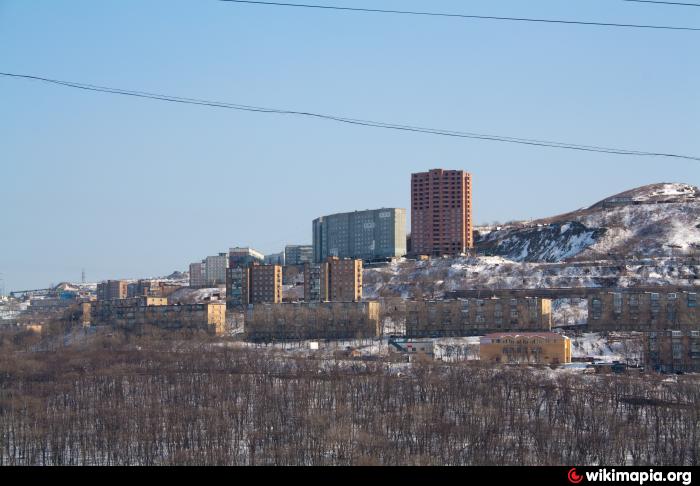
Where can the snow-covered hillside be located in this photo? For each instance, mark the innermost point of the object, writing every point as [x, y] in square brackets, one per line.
[654, 220]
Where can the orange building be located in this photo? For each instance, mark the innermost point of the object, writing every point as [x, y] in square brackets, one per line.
[335, 280]
[525, 347]
[441, 212]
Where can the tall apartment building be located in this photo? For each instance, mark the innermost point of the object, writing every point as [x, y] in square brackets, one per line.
[298, 254]
[253, 284]
[112, 289]
[197, 271]
[335, 280]
[371, 234]
[441, 212]
[215, 269]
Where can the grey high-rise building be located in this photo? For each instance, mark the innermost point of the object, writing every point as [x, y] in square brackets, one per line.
[370, 235]
[298, 254]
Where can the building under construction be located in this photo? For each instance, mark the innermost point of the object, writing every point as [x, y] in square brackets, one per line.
[474, 317]
[312, 320]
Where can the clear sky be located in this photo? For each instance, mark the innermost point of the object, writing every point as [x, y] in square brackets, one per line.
[128, 188]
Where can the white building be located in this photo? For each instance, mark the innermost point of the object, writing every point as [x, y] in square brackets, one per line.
[215, 269]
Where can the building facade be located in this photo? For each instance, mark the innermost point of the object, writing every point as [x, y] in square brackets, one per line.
[441, 212]
[112, 289]
[640, 311]
[197, 275]
[312, 320]
[474, 317]
[369, 235]
[298, 254]
[244, 256]
[215, 269]
[672, 351]
[253, 284]
[527, 347]
[335, 280]
[275, 259]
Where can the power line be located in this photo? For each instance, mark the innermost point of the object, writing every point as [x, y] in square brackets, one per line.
[665, 3]
[461, 16]
[352, 121]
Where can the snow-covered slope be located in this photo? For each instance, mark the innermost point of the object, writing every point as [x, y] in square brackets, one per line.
[654, 220]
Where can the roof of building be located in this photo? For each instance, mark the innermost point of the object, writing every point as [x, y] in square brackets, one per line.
[523, 334]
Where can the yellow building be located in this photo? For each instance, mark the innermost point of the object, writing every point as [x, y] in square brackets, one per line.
[525, 347]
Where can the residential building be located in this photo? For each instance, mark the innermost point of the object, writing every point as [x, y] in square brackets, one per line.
[370, 235]
[253, 284]
[336, 280]
[672, 351]
[112, 289]
[643, 310]
[312, 320]
[215, 269]
[298, 254]
[525, 347]
[441, 212]
[473, 317]
[197, 274]
[134, 314]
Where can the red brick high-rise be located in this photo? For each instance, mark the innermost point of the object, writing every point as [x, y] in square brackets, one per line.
[441, 212]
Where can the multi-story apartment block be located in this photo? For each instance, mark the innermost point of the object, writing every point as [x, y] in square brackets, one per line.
[135, 313]
[197, 274]
[335, 280]
[253, 284]
[370, 235]
[215, 269]
[473, 317]
[441, 212]
[639, 311]
[112, 289]
[312, 320]
[525, 347]
[672, 351]
[298, 254]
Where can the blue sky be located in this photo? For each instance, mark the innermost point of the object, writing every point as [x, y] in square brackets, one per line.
[130, 188]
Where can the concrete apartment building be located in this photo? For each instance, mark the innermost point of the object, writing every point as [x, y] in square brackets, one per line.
[640, 311]
[215, 269]
[335, 280]
[112, 289]
[473, 317]
[312, 320]
[298, 254]
[253, 285]
[525, 347]
[672, 351]
[370, 235]
[197, 275]
[135, 313]
[151, 288]
[441, 212]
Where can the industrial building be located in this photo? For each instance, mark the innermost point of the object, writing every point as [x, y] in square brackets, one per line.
[525, 347]
[441, 212]
[377, 234]
[312, 320]
[473, 317]
[336, 280]
[135, 313]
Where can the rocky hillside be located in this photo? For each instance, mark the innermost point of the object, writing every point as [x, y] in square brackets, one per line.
[649, 221]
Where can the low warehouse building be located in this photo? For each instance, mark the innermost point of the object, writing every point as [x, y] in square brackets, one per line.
[525, 347]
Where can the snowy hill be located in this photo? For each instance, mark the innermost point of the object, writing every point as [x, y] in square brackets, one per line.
[654, 220]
